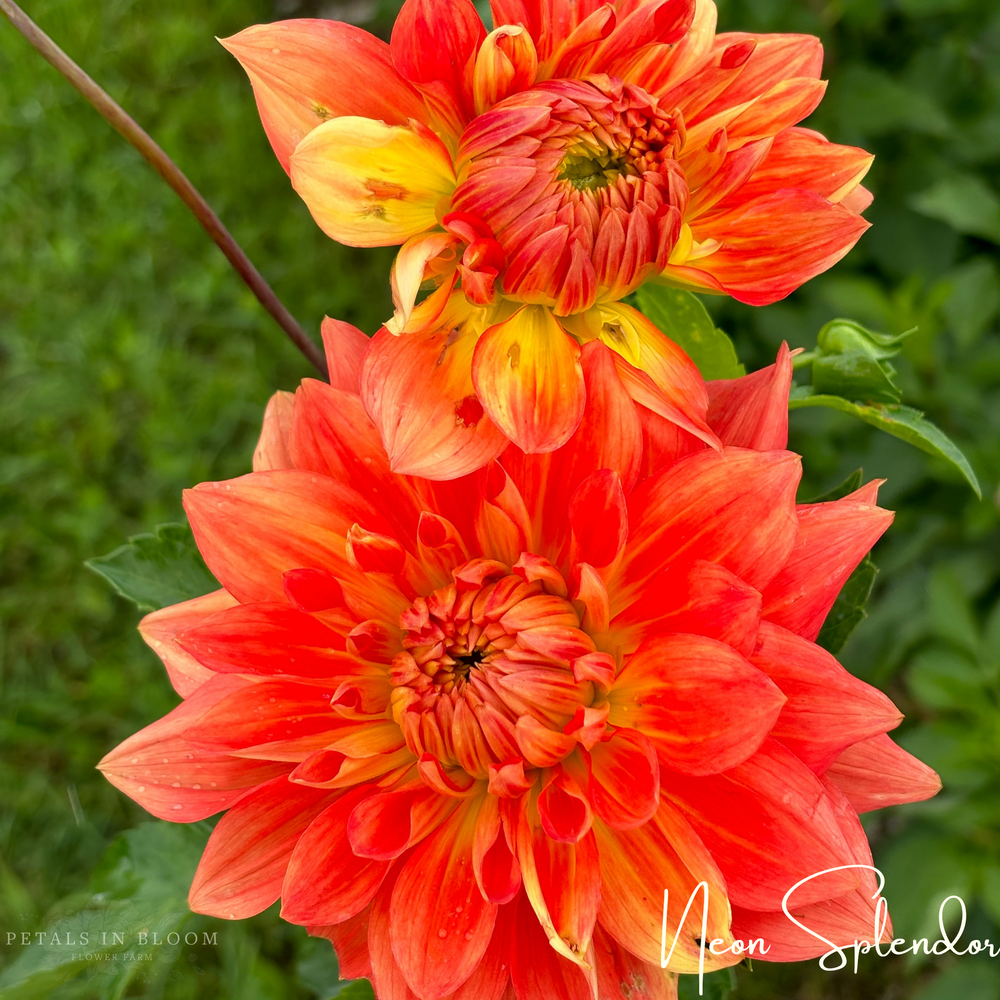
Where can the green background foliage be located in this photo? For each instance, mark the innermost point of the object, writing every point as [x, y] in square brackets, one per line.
[133, 364]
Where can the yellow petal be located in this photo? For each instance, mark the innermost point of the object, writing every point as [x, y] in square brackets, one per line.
[370, 184]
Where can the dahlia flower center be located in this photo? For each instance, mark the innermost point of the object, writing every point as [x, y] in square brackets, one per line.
[580, 176]
[487, 669]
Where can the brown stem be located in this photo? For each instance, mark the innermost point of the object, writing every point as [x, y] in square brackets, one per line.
[171, 173]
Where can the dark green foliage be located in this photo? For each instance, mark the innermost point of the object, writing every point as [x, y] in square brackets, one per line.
[848, 612]
[158, 569]
[133, 364]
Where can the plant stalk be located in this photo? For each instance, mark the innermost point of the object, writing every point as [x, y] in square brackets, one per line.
[122, 122]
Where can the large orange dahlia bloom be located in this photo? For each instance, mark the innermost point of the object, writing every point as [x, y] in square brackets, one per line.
[538, 173]
[471, 731]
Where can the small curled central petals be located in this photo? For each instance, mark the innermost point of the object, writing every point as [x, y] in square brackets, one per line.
[487, 677]
[579, 181]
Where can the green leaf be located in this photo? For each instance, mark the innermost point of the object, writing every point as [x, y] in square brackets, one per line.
[855, 375]
[156, 570]
[845, 336]
[848, 611]
[901, 421]
[717, 986]
[849, 485]
[140, 888]
[356, 989]
[682, 317]
[964, 202]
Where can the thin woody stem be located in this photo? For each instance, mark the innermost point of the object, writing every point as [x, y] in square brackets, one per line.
[171, 173]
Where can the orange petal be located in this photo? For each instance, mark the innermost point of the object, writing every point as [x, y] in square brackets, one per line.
[831, 540]
[528, 376]
[624, 779]
[418, 389]
[244, 864]
[369, 184]
[325, 882]
[703, 705]
[272, 448]
[345, 346]
[160, 629]
[752, 411]
[598, 519]
[175, 781]
[307, 71]
[877, 773]
[623, 976]
[252, 529]
[828, 709]
[637, 866]
[506, 63]
[441, 924]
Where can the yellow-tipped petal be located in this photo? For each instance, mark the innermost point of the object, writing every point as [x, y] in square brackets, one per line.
[370, 184]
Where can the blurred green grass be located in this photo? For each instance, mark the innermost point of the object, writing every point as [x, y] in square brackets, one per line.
[133, 363]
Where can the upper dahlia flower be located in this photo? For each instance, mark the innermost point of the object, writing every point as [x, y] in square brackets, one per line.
[471, 731]
[536, 174]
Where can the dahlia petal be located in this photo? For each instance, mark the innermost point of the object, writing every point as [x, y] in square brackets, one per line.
[435, 49]
[657, 21]
[325, 882]
[493, 863]
[550, 22]
[537, 970]
[705, 708]
[541, 746]
[730, 179]
[661, 66]
[312, 590]
[623, 976]
[436, 891]
[268, 715]
[345, 347]
[784, 105]
[752, 411]
[243, 867]
[562, 881]
[306, 71]
[370, 184]
[272, 448]
[418, 389]
[828, 709]
[175, 781]
[876, 773]
[663, 443]
[160, 628]
[563, 809]
[506, 63]
[598, 519]
[708, 600]
[775, 58]
[637, 866]
[385, 825]
[593, 595]
[768, 823]
[624, 779]
[350, 942]
[410, 268]
[801, 158]
[529, 379]
[252, 529]
[268, 639]
[832, 539]
[736, 508]
[775, 243]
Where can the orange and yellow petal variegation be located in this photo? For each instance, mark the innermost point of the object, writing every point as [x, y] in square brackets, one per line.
[529, 379]
[418, 390]
[371, 184]
[305, 72]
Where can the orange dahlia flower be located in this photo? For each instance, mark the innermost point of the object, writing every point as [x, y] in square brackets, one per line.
[471, 731]
[538, 173]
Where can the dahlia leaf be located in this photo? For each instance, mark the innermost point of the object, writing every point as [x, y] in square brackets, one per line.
[158, 569]
[849, 485]
[848, 611]
[355, 989]
[903, 422]
[683, 318]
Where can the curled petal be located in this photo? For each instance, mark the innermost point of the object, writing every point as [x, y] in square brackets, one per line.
[624, 779]
[345, 347]
[506, 63]
[528, 376]
[370, 184]
[563, 808]
[418, 389]
[272, 448]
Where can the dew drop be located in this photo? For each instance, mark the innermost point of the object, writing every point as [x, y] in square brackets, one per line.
[142, 788]
[178, 806]
[442, 933]
[197, 787]
[175, 784]
[135, 760]
[468, 935]
[458, 909]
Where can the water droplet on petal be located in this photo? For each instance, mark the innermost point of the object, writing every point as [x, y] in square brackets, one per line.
[442, 933]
